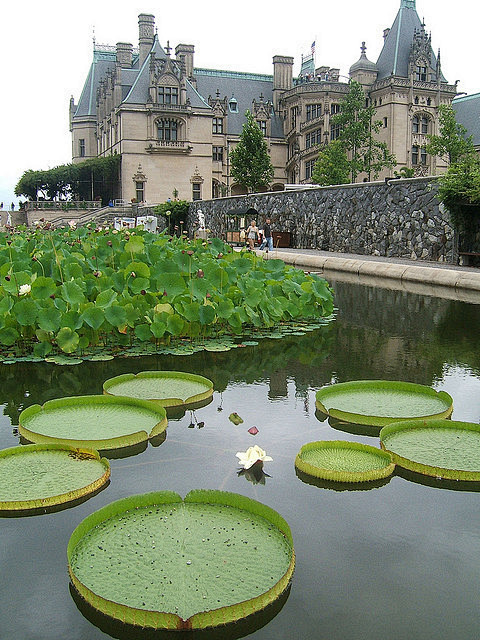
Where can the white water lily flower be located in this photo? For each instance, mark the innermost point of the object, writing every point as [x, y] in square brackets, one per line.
[252, 455]
[24, 289]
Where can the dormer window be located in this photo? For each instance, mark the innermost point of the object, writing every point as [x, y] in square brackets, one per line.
[233, 105]
[168, 95]
[421, 73]
[263, 126]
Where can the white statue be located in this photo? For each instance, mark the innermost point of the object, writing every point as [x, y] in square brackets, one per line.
[201, 219]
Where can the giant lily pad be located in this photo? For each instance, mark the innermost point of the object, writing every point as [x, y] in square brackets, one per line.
[156, 561]
[380, 402]
[169, 388]
[438, 448]
[97, 422]
[344, 461]
[41, 475]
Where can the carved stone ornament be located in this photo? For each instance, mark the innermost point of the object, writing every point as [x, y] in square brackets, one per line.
[139, 176]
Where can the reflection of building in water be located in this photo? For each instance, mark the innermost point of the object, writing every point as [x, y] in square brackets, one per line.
[278, 384]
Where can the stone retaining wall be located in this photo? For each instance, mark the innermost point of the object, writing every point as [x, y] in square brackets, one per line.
[401, 218]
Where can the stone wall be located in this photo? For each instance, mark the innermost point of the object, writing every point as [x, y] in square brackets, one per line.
[401, 218]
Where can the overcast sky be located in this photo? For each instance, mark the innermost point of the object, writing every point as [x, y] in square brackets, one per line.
[47, 51]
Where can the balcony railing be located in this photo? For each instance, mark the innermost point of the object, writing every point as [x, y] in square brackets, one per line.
[62, 205]
[175, 146]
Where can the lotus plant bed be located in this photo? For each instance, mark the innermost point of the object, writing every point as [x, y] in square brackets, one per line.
[344, 461]
[440, 448]
[380, 402]
[98, 422]
[86, 292]
[155, 560]
[38, 476]
[168, 388]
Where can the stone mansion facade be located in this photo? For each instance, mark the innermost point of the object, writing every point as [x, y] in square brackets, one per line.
[174, 124]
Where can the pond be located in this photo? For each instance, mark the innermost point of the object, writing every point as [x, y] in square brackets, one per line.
[397, 559]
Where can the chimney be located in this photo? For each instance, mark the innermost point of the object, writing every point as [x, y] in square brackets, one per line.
[184, 55]
[124, 54]
[282, 77]
[146, 34]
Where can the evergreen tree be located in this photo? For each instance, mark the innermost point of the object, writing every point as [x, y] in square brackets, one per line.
[451, 143]
[332, 166]
[358, 129]
[250, 161]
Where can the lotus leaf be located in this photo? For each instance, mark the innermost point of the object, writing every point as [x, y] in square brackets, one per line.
[213, 558]
[439, 448]
[169, 388]
[99, 422]
[379, 402]
[43, 475]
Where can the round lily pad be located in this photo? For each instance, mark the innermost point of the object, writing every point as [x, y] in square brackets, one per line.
[344, 461]
[168, 388]
[438, 448]
[98, 422]
[155, 560]
[41, 475]
[380, 402]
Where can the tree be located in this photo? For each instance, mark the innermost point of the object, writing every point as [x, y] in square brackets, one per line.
[95, 177]
[332, 166]
[357, 129]
[250, 161]
[452, 142]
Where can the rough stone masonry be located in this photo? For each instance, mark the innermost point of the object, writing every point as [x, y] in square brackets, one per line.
[397, 218]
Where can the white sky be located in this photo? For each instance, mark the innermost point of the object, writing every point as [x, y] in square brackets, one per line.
[47, 51]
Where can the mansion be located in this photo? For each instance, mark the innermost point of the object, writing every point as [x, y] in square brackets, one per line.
[174, 124]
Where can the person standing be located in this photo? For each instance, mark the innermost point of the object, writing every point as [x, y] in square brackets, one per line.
[252, 232]
[267, 236]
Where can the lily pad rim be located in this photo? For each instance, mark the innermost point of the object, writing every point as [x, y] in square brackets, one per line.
[62, 498]
[102, 444]
[164, 402]
[345, 476]
[421, 467]
[167, 620]
[377, 420]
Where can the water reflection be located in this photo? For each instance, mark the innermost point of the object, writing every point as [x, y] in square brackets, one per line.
[408, 550]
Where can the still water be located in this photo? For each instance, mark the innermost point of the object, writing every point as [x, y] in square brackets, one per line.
[399, 560]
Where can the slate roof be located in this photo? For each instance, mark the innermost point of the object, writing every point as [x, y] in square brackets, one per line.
[467, 112]
[393, 58]
[102, 63]
[245, 87]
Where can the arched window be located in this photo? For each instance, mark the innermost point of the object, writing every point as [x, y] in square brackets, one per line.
[167, 129]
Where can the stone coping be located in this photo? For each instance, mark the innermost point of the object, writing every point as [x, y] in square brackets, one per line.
[423, 279]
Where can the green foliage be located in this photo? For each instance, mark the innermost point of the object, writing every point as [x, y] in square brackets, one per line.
[342, 461]
[80, 291]
[390, 400]
[191, 593]
[251, 166]
[94, 178]
[175, 212]
[452, 142]
[439, 448]
[358, 129]
[459, 190]
[405, 172]
[332, 166]
[47, 475]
